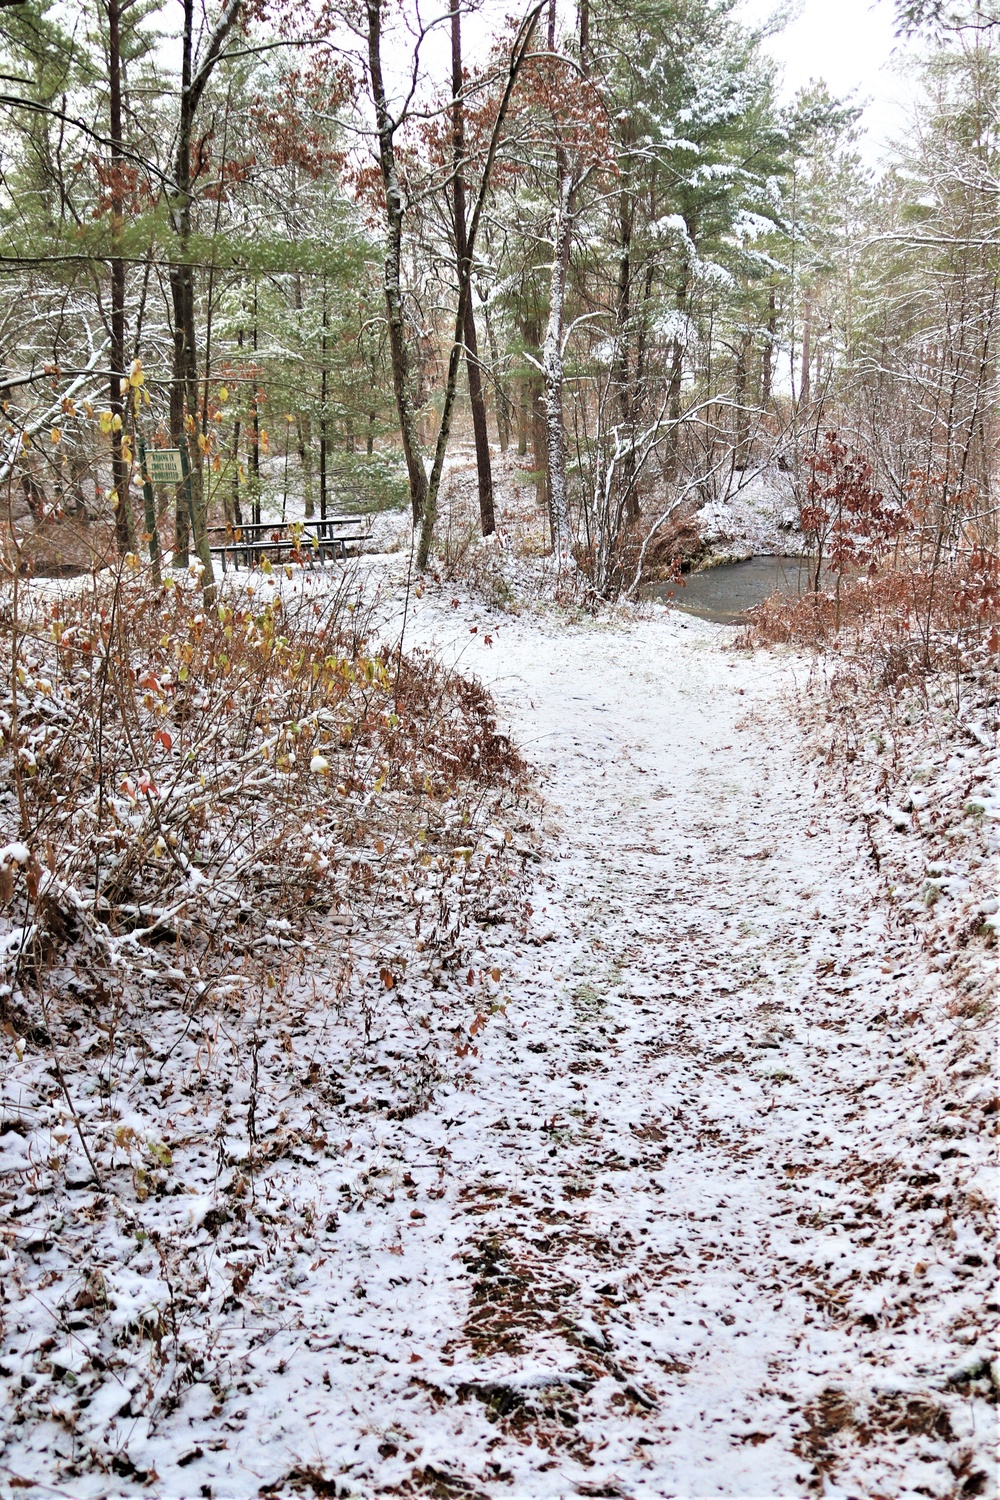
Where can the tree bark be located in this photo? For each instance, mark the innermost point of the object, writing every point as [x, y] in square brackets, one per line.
[627, 393]
[324, 440]
[552, 348]
[399, 353]
[742, 454]
[805, 386]
[522, 419]
[484, 470]
[519, 52]
[676, 378]
[553, 366]
[124, 520]
[235, 516]
[500, 396]
[767, 361]
[234, 510]
[254, 454]
[184, 385]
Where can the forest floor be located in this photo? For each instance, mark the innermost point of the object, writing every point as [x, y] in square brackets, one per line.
[686, 1218]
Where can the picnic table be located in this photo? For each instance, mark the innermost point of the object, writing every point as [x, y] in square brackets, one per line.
[304, 541]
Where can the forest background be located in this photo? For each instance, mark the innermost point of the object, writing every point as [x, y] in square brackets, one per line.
[277, 234]
[264, 861]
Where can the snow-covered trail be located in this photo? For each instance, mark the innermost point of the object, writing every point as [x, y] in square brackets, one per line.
[666, 1230]
[664, 1181]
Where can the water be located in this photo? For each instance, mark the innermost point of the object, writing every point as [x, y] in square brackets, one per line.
[725, 593]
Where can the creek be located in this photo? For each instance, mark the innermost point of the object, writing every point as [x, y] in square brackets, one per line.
[725, 593]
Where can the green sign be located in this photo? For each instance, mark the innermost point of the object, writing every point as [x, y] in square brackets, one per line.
[163, 465]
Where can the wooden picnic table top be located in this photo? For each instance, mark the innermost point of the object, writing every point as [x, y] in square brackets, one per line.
[251, 530]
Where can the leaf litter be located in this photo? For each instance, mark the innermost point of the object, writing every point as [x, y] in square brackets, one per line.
[674, 1179]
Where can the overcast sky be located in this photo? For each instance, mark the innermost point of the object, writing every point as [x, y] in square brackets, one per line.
[850, 44]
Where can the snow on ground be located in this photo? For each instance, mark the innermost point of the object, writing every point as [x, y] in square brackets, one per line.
[759, 516]
[683, 1218]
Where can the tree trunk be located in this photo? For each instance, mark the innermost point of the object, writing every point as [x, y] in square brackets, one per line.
[522, 418]
[531, 415]
[399, 353]
[676, 378]
[627, 393]
[484, 469]
[303, 427]
[552, 348]
[234, 510]
[500, 396]
[553, 367]
[124, 521]
[303, 446]
[539, 447]
[235, 516]
[767, 361]
[519, 52]
[324, 440]
[805, 386]
[742, 456]
[184, 384]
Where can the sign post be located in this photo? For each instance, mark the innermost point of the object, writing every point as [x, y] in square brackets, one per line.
[164, 465]
[149, 504]
[182, 455]
[198, 533]
[171, 467]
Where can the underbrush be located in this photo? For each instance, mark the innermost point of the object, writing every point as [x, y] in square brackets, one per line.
[902, 706]
[247, 855]
[193, 777]
[900, 619]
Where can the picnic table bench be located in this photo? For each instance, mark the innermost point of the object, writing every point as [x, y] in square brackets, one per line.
[305, 541]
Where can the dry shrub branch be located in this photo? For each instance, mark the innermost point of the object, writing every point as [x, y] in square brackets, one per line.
[193, 777]
[245, 854]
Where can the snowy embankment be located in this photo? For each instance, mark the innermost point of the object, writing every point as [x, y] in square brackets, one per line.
[759, 516]
[678, 1208]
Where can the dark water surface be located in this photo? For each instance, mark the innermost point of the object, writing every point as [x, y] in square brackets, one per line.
[725, 593]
